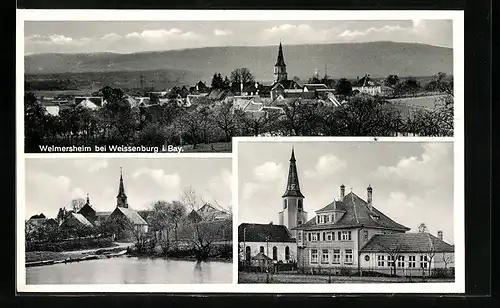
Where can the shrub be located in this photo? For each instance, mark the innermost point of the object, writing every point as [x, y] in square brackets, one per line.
[69, 245]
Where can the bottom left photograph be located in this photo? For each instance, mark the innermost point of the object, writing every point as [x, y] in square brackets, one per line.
[128, 221]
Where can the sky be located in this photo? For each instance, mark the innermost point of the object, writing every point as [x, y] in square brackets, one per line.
[52, 183]
[412, 182]
[138, 36]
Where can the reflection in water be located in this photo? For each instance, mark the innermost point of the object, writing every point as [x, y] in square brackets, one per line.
[131, 270]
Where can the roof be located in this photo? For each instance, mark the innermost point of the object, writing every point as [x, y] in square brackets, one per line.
[81, 219]
[219, 94]
[292, 186]
[96, 100]
[103, 213]
[355, 213]
[307, 95]
[38, 216]
[407, 242]
[286, 84]
[280, 61]
[260, 256]
[132, 215]
[194, 216]
[259, 233]
[315, 86]
[366, 81]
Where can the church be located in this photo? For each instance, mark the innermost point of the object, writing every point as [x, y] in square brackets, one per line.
[349, 233]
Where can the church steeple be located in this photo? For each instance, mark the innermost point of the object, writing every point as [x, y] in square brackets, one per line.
[121, 198]
[293, 187]
[280, 66]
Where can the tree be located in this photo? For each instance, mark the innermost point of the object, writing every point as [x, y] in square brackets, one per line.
[422, 228]
[296, 79]
[77, 204]
[217, 81]
[224, 118]
[34, 121]
[394, 252]
[242, 75]
[391, 80]
[343, 87]
[314, 80]
[176, 212]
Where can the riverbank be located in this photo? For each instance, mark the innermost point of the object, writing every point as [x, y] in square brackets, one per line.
[35, 258]
[245, 277]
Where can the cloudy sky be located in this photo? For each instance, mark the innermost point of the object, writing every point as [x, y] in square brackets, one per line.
[53, 183]
[136, 36]
[412, 182]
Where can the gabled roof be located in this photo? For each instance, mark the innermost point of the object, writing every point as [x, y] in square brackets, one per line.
[194, 216]
[366, 81]
[259, 233]
[286, 84]
[356, 213]
[96, 100]
[38, 216]
[219, 94]
[260, 256]
[81, 219]
[407, 242]
[315, 86]
[132, 215]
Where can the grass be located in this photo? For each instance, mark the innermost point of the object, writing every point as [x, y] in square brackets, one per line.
[220, 147]
[244, 277]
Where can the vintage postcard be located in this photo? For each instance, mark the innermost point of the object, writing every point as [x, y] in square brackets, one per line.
[240, 151]
[183, 84]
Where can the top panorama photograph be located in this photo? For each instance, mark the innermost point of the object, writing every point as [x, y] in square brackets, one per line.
[190, 86]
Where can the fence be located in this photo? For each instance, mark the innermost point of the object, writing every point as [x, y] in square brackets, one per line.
[379, 272]
[270, 268]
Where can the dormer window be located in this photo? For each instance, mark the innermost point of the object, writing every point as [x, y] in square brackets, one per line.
[374, 217]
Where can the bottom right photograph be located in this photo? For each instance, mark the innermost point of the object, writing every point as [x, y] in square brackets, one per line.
[345, 212]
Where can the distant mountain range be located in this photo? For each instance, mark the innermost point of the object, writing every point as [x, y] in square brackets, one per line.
[349, 60]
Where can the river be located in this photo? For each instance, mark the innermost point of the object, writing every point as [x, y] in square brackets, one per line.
[131, 270]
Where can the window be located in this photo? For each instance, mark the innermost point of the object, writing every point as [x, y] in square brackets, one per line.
[423, 261]
[318, 234]
[299, 205]
[380, 260]
[336, 256]
[390, 260]
[299, 236]
[346, 235]
[327, 218]
[275, 253]
[401, 261]
[309, 237]
[324, 236]
[314, 237]
[348, 256]
[365, 235]
[299, 222]
[247, 253]
[261, 249]
[325, 257]
[314, 256]
[349, 233]
[411, 261]
[284, 203]
[287, 253]
[339, 236]
[321, 219]
[329, 236]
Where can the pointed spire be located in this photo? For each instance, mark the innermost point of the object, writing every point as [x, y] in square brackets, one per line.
[293, 187]
[121, 198]
[281, 60]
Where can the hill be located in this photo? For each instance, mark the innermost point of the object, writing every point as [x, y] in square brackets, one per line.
[349, 60]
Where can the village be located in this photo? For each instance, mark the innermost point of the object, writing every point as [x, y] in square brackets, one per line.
[190, 229]
[206, 115]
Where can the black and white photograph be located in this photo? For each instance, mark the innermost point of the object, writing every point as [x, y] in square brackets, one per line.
[128, 221]
[346, 212]
[191, 85]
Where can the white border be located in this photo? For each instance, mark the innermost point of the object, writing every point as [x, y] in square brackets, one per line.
[143, 15]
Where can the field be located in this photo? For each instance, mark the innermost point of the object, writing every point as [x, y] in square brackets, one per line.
[422, 101]
[244, 277]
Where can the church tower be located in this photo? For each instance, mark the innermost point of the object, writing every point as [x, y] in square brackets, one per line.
[280, 67]
[293, 213]
[121, 199]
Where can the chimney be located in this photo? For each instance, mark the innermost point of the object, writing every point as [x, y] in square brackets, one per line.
[342, 192]
[369, 191]
[440, 235]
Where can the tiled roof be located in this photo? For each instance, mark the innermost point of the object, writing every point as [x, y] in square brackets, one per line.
[315, 86]
[219, 94]
[259, 233]
[81, 219]
[260, 256]
[286, 84]
[356, 213]
[132, 215]
[407, 242]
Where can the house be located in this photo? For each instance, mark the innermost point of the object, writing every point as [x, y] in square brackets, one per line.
[313, 87]
[198, 88]
[88, 212]
[75, 220]
[220, 94]
[197, 99]
[367, 85]
[193, 216]
[51, 108]
[124, 219]
[37, 220]
[270, 240]
[89, 102]
[209, 212]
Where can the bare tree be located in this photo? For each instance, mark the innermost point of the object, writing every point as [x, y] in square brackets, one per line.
[422, 228]
[394, 252]
[224, 118]
[447, 259]
[77, 204]
[242, 75]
